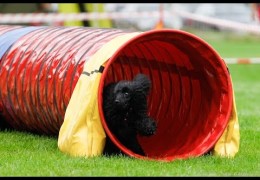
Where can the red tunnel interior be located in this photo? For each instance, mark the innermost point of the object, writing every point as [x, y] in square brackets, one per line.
[191, 92]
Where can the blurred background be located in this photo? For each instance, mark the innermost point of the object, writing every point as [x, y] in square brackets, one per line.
[135, 16]
[213, 22]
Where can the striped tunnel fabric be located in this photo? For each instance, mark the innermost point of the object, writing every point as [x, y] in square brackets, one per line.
[39, 69]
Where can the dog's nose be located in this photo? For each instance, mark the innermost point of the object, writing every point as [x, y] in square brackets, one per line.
[117, 101]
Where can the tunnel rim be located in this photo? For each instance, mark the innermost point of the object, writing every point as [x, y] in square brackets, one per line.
[114, 57]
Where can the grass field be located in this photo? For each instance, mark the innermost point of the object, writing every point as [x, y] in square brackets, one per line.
[232, 45]
[25, 154]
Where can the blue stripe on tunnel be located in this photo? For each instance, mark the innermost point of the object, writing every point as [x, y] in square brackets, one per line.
[7, 39]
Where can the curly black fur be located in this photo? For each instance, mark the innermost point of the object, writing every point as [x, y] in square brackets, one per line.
[125, 111]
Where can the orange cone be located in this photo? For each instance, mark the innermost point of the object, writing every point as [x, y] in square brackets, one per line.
[159, 25]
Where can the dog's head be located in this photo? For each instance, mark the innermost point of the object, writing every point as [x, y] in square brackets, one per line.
[131, 93]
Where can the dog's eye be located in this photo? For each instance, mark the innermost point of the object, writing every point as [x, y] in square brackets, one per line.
[125, 91]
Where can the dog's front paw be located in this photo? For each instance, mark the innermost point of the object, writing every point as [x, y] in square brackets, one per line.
[147, 127]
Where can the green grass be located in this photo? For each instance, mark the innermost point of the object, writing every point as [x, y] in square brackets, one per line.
[25, 154]
[228, 44]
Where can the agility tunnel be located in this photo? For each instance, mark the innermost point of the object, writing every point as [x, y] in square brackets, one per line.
[52, 79]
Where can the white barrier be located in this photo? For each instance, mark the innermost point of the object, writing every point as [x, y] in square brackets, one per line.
[58, 17]
[11, 18]
[242, 60]
[220, 22]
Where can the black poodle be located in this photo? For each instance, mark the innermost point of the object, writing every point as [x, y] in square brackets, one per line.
[125, 111]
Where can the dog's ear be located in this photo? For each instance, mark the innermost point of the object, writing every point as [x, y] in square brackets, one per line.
[143, 81]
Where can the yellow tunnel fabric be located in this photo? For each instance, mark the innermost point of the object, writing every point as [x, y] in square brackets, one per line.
[228, 144]
[82, 133]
